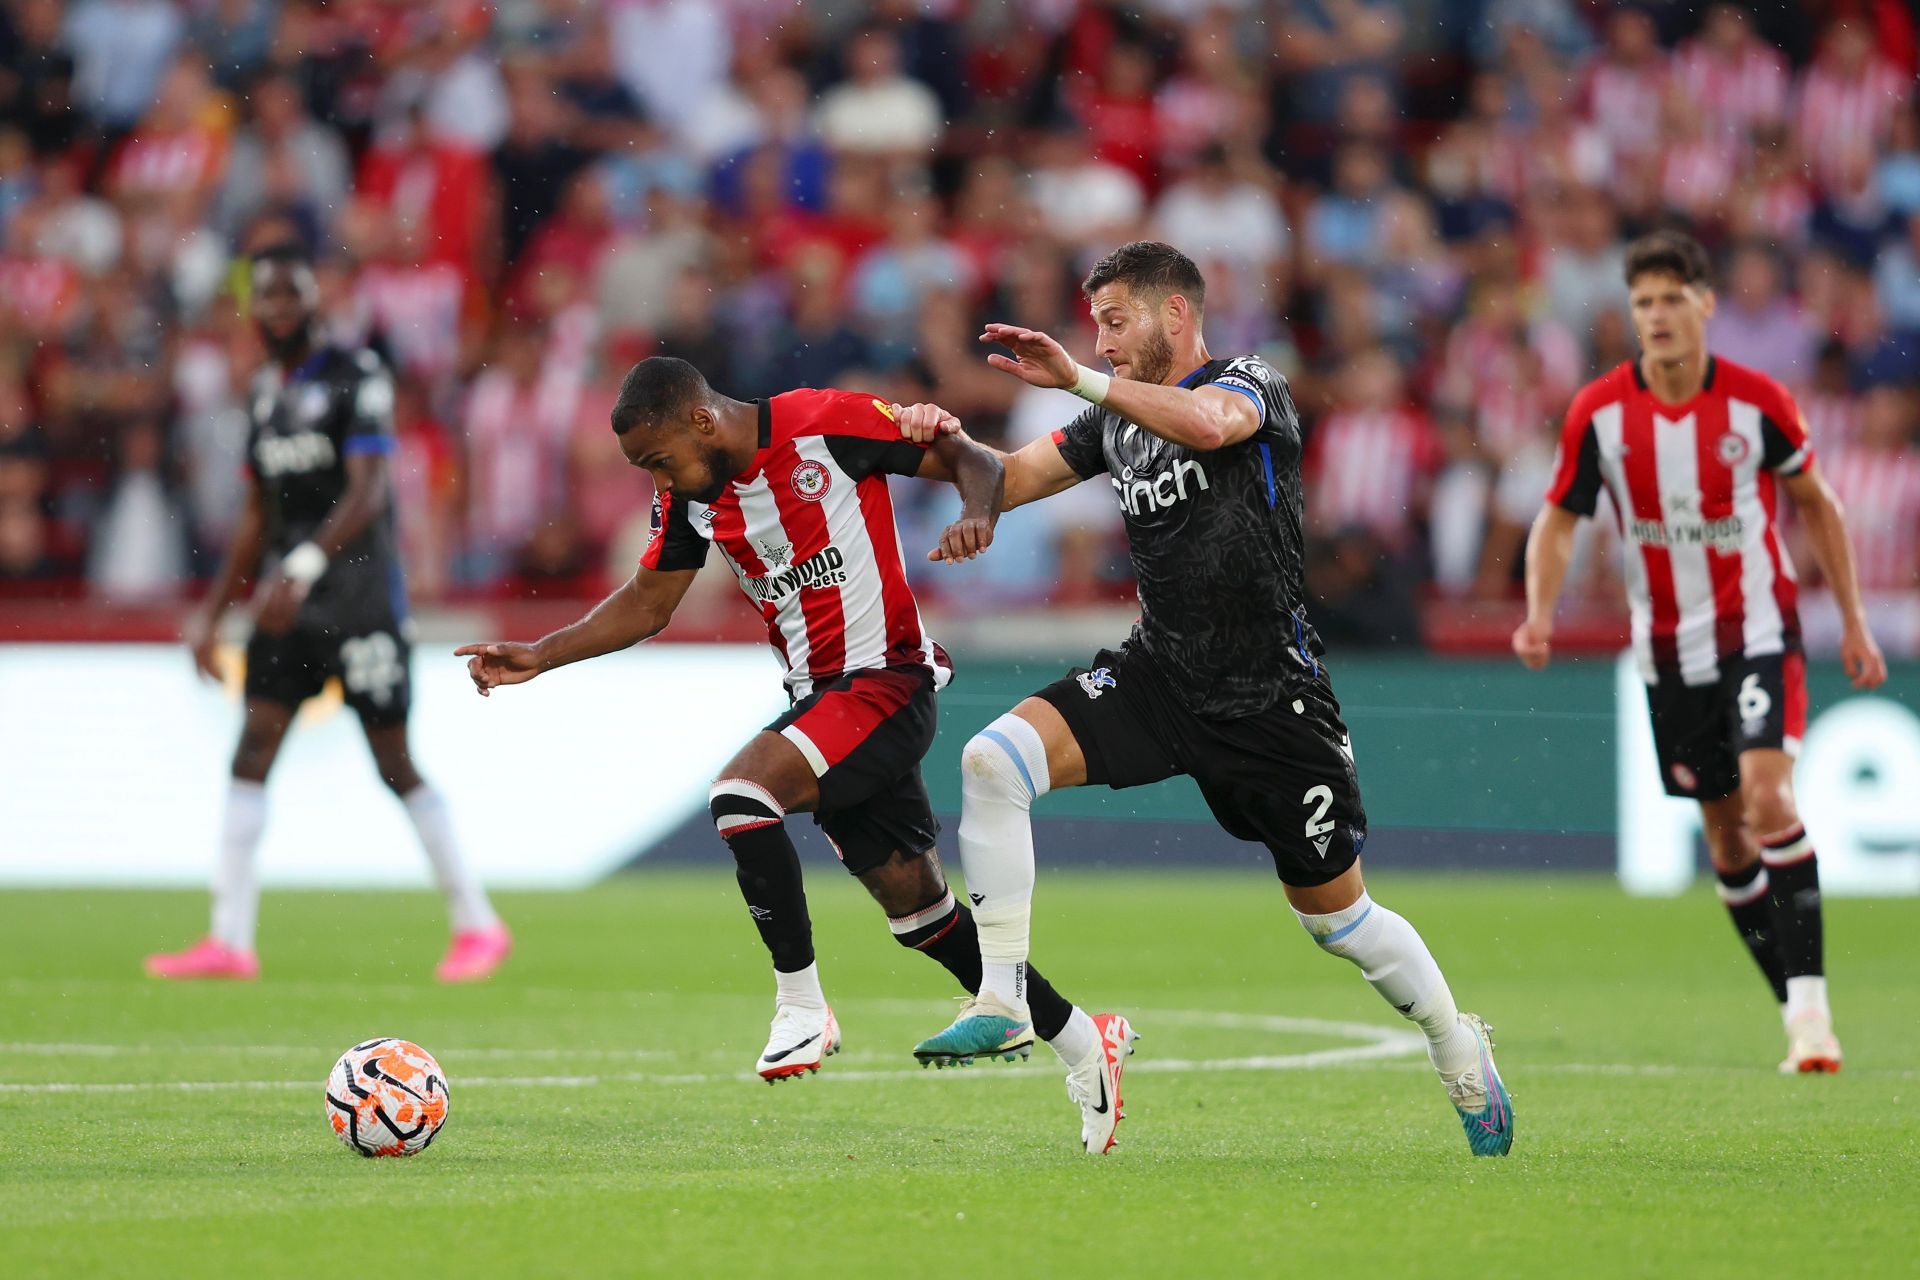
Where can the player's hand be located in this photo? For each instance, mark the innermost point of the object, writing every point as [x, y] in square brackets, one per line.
[1037, 360]
[493, 665]
[965, 538]
[1533, 642]
[280, 605]
[1862, 658]
[925, 423]
[200, 633]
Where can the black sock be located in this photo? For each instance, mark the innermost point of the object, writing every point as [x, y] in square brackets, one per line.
[1745, 894]
[946, 932]
[768, 868]
[1793, 874]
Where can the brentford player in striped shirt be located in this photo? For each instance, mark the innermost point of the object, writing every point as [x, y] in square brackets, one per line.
[793, 492]
[1693, 451]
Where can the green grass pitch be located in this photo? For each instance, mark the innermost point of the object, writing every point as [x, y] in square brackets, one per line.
[603, 1124]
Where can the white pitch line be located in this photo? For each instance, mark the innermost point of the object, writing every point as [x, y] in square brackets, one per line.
[1379, 1043]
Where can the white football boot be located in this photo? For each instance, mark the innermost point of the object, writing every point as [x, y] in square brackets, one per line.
[799, 1041]
[1094, 1082]
[1811, 1048]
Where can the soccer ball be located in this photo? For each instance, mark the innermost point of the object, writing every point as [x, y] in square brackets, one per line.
[387, 1098]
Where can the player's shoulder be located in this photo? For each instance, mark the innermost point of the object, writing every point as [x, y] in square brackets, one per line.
[1611, 387]
[828, 411]
[1250, 370]
[1768, 394]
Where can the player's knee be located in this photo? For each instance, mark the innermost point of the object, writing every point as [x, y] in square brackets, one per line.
[1770, 809]
[739, 806]
[1005, 761]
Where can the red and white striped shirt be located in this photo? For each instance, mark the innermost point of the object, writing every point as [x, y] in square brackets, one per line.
[808, 530]
[1880, 489]
[1369, 469]
[1733, 94]
[1708, 577]
[1841, 120]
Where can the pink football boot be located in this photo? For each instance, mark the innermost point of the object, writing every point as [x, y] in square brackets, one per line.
[207, 958]
[474, 954]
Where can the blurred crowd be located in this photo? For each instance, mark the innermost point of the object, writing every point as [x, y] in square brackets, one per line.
[1415, 208]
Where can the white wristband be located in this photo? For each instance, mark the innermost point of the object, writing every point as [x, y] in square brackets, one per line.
[304, 564]
[1091, 386]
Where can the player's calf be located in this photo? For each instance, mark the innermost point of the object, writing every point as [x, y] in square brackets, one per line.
[1003, 770]
[1395, 961]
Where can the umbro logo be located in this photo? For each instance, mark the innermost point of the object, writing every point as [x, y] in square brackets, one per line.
[761, 913]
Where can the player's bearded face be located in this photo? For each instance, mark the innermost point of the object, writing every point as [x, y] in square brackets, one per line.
[691, 468]
[283, 299]
[1154, 358]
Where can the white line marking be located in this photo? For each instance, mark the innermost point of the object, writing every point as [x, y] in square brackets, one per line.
[1377, 1043]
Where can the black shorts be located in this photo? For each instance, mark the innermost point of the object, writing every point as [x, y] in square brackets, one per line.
[1284, 777]
[373, 657]
[1699, 731]
[865, 734]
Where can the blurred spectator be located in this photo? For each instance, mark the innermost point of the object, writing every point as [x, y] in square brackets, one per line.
[1896, 278]
[138, 553]
[1223, 219]
[1734, 80]
[121, 49]
[1877, 476]
[1586, 260]
[534, 161]
[285, 159]
[36, 75]
[671, 53]
[1848, 100]
[1082, 199]
[1756, 324]
[519, 419]
[1371, 463]
[879, 108]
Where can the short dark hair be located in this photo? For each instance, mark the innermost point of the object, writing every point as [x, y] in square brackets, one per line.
[282, 253]
[1151, 265]
[1671, 253]
[657, 388]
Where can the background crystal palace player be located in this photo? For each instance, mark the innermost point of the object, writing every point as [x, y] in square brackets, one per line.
[793, 492]
[1221, 679]
[336, 606]
[1693, 450]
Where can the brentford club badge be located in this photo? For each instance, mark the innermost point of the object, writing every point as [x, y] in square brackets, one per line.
[811, 481]
[1732, 448]
[1685, 778]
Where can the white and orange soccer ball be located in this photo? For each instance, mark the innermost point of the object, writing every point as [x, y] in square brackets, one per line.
[387, 1098]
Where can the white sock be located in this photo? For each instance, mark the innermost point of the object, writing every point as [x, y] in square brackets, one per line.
[1077, 1039]
[1397, 964]
[236, 889]
[1803, 993]
[801, 988]
[467, 903]
[1008, 981]
[1003, 770]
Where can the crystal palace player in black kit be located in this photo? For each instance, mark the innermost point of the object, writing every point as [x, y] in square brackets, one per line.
[1221, 680]
[335, 606]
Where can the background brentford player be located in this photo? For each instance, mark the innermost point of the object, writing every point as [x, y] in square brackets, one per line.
[1693, 449]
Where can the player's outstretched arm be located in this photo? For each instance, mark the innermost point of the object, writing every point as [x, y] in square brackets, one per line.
[1201, 418]
[637, 611]
[1549, 551]
[1037, 471]
[202, 626]
[1826, 523]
